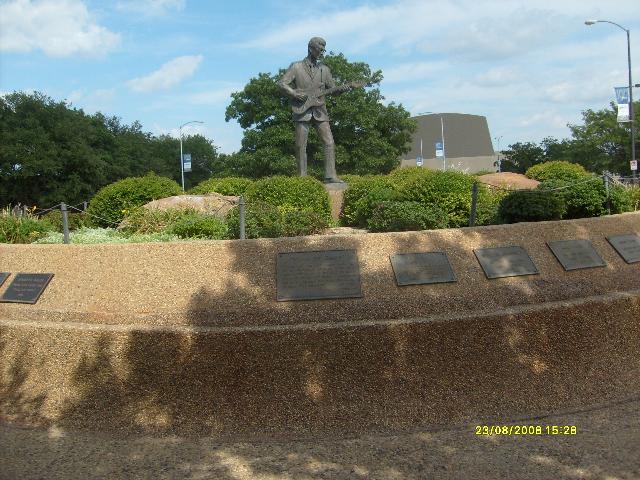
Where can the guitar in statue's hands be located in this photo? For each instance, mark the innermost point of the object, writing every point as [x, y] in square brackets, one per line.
[314, 97]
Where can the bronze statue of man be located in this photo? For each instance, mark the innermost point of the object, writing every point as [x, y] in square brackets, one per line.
[312, 82]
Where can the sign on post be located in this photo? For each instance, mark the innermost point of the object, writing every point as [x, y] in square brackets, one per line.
[439, 149]
[634, 165]
[419, 161]
[186, 162]
[622, 99]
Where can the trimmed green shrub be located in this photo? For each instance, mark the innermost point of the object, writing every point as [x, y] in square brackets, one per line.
[22, 229]
[301, 193]
[450, 191]
[531, 206]
[403, 216]
[263, 220]
[582, 199]
[198, 225]
[110, 205]
[225, 186]
[557, 170]
[362, 196]
[76, 220]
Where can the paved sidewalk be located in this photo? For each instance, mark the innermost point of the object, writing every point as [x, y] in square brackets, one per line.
[606, 447]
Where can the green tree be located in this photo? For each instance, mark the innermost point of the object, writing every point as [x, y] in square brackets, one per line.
[519, 157]
[370, 136]
[602, 143]
[51, 152]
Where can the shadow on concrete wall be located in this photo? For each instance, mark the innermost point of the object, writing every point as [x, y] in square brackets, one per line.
[261, 384]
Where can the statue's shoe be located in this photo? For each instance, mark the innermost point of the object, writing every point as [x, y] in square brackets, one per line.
[333, 180]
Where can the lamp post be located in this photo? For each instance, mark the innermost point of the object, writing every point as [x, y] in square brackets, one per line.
[498, 160]
[631, 116]
[181, 158]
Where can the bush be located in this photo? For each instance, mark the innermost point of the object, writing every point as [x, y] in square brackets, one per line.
[620, 199]
[450, 191]
[76, 220]
[531, 206]
[152, 220]
[634, 196]
[263, 220]
[198, 225]
[110, 205]
[300, 193]
[582, 199]
[22, 229]
[105, 235]
[225, 186]
[404, 216]
[557, 170]
[362, 196]
[487, 212]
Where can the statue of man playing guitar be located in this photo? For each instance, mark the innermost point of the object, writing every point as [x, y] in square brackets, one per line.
[312, 82]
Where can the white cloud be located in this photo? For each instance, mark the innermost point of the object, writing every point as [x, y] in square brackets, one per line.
[497, 76]
[100, 100]
[151, 7]
[215, 96]
[57, 27]
[406, 72]
[168, 75]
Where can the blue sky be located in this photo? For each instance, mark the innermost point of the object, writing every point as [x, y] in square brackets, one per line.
[530, 67]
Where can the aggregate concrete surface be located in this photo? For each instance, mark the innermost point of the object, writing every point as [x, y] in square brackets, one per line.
[605, 447]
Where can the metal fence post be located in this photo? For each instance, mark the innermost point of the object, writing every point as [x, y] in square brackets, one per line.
[474, 204]
[242, 215]
[605, 178]
[65, 222]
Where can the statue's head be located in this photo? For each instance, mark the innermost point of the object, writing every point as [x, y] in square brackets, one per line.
[316, 47]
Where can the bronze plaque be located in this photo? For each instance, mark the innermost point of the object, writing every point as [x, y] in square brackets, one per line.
[26, 287]
[627, 246]
[576, 254]
[3, 277]
[422, 268]
[505, 262]
[318, 275]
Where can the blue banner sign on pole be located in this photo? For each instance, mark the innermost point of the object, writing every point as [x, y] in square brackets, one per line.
[419, 161]
[622, 95]
[439, 149]
[186, 162]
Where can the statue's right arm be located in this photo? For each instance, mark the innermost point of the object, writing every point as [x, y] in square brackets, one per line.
[288, 77]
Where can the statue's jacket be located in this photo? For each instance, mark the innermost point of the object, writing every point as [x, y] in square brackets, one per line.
[309, 79]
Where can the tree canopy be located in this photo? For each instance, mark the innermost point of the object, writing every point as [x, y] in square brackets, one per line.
[52, 153]
[599, 144]
[370, 137]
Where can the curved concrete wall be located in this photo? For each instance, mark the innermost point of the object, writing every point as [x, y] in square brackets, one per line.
[188, 337]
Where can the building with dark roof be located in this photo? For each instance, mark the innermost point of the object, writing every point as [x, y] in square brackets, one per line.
[467, 143]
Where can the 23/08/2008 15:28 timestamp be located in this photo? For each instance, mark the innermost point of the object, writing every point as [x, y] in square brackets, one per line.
[490, 430]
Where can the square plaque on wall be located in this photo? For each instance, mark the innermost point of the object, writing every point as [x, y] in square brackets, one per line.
[3, 277]
[627, 246]
[505, 262]
[318, 275]
[422, 268]
[26, 287]
[576, 254]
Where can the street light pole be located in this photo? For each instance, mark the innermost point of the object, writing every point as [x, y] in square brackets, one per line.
[181, 157]
[498, 160]
[631, 115]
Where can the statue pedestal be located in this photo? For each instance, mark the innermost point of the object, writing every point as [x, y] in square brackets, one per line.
[336, 195]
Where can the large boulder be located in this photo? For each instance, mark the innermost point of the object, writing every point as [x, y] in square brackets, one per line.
[510, 180]
[211, 203]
